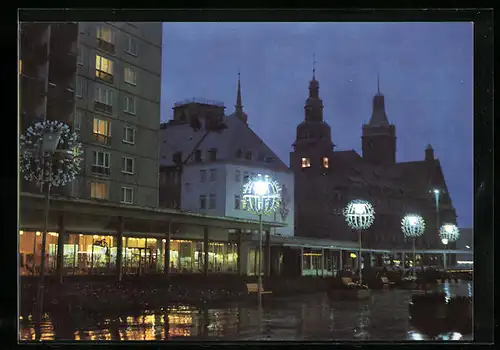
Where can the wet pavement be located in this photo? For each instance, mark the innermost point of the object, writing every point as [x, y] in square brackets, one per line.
[308, 317]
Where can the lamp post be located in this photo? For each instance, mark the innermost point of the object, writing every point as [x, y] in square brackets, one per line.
[359, 215]
[261, 196]
[448, 233]
[413, 226]
[39, 145]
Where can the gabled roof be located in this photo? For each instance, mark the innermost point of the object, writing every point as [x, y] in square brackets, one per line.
[180, 137]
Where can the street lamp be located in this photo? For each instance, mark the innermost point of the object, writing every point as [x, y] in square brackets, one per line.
[261, 196]
[359, 215]
[448, 233]
[413, 226]
[39, 146]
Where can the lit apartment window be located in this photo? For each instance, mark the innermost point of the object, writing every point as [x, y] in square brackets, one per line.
[129, 105]
[129, 135]
[211, 201]
[130, 76]
[104, 68]
[100, 164]
[103, 95]
[79, 56]
[306, 162]
[99, 190]
[237, 202]
[128, 165]
[106, 34]
[127, 195]
[132, 47]
[238, 176]
[203, 202]
[77, 121]
[203, 175]
[79, 87]
[325, 162]
[213, 175]
[102, 131]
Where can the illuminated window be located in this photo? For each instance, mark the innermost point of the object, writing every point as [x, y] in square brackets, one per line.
[325, 162]
[127, 195]
[130, 76]
[106, 34]
[306, 162]
[102, 64]
[128, 165]
[102, 127]
[103, 95]
[99, 190]
[129, 105]
[132, 47]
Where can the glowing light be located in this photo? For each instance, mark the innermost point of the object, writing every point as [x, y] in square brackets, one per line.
[21, 233]
[464, 262]
[96, 236]
[261, 195]
[412, 225]
[352, 255]
[467, 247]
[164, 240]
[436, 191]
[449, 232]
[359, 214]
[38, 233]
[444, 241]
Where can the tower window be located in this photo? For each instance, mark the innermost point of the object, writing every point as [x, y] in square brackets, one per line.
[306, 162]
[325, 162]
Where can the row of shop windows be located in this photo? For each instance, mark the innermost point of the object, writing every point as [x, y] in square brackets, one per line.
[94, 254]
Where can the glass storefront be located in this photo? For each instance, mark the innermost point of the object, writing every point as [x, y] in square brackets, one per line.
[30, 250]
[252, 266]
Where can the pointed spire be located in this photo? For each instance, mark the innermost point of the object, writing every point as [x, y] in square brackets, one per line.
[314, 66]
[378, 116]
[239, 105]
[378, 83]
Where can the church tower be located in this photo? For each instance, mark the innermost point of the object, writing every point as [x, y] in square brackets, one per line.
[379, 136]
[238, 107]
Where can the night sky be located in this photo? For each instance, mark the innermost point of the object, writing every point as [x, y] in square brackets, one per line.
[426, 75]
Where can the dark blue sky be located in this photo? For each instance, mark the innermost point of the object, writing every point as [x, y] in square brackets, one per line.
[426, 75]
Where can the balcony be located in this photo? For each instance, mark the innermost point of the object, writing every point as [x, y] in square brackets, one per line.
[102, 139]
[105, 46]
[108, 78]
[100, 170]
[102, 107]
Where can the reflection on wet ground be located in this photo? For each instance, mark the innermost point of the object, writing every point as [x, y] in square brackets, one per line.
[306, 317]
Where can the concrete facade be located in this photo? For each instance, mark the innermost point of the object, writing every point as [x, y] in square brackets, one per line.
[143, 58]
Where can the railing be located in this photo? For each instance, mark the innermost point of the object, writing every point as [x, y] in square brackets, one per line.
[108, 78]
[103, 107]
[106, 46]
[200, 101]
[97, 169]
[104, 139]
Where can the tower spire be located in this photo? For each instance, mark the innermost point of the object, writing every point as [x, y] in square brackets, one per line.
[378, 83]
[239, 105]
[314, 66]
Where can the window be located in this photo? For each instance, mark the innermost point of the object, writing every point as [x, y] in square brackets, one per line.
[212, 154]
[79, 56]
[129, 135]
[77, 121]
[245, 177]
[128, 165]
[100, 164]
[237, 202]
[132, 47]
[203, 201]
[211, 201]
[79, 87]
[248, 156]
[99, 190]
[103, 65]
[238, 176]
[129, 105]
[306, 162]
[106, 34]
[127, 195]
[325, 162]
[203, 175]
[103, 95]
[213, 175]
[130, 76]
[102, 131]
[197, 155]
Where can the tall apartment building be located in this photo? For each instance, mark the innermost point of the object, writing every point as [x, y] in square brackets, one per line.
[108, 76]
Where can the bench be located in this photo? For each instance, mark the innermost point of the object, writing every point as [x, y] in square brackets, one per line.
[254, 288]
[385, 281]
